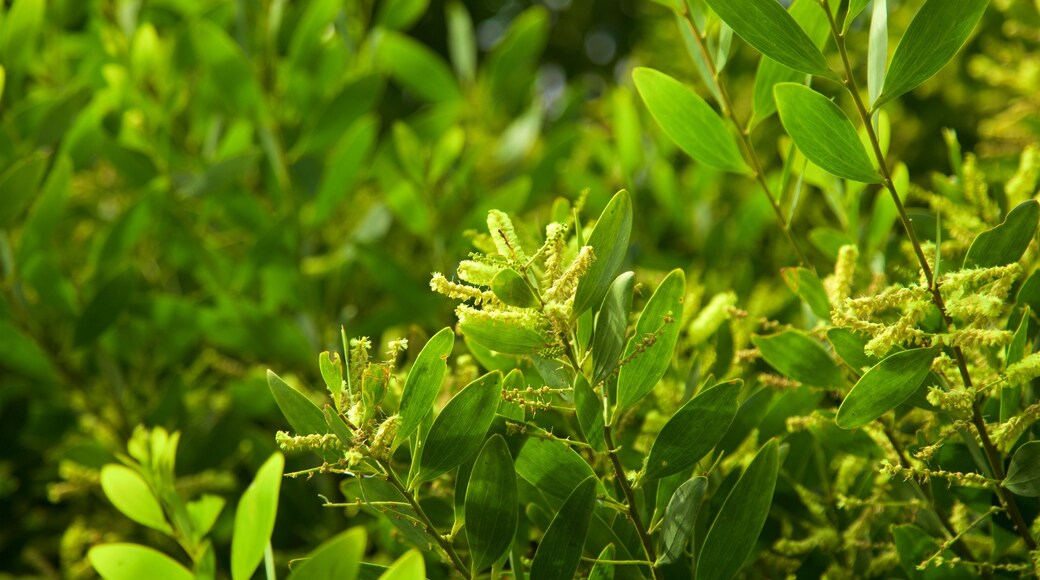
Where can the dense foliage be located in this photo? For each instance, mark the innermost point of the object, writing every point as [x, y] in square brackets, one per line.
[748, 289]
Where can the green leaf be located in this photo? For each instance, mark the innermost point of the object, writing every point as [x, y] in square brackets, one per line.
[410, 566]
[765, 25]
[104, 308]
[608, 338]
[502, 336]
[492, 511]
[132, 562]
[693, 431]
[457, 432]
[877, 49]
[20, 354]
[735, 530]
[462, 43]
[304, 416]
[19, 32]
[823, 133]
[424, 382]
[808, 286]
[689, 121]
[510, 287]
[1023, 476]
[1005, 243]
[551, 466]
[509, 65]
[589, 409]
[603, 569]
[885, 386]
[416, 67]
[609, 242]
[345, 162]
[254, 518]
[331, 367]
[18, 185]
[662, 318]
[936, 33]
[203, 513]
[338, 557]
[680, 517]
[850, 346]
[855, 7]
[914, 545]
[130, 493]
[559, 552]
[401, 14]
[797, 356]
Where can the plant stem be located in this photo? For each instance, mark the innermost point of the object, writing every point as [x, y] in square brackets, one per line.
[633, 507]
[430, 528]
[744, 138]
[996, 464]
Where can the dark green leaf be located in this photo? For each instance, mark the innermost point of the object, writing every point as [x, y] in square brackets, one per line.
[338, 557]
[18, 185]
[104, 308]
[344, 164]
[254, 518]
[823, 133]
[551, 466]
[938, 31]
[510, 287]
[303, 415]
[132, 562]
[559, 552]
[609, 242]
[680, 517]
[735, 530]
[602, 570]
[885, 386]
[850, 347]
[914, 546]
[1023, 476]
[693, 431]
[765, 25]
[589, 409]
[1005, 243]
[661, 318]
[401, 14]
[492, 511]
[424, 382]
[608, 339]
[799, 357]
[689, 121]
[458, 431]
[808, 286]
[21, 355]
[416, 67]
[501, 336]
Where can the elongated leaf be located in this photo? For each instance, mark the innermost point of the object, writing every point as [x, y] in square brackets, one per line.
[559, 552]
[823, 133]
[609, 242]
[492, 511]
[304, 416]
[458, 431]
[689, 121]
[608, 338]
[416, 67]
[104, 308]
[680, 517]
[551, 466]
[254, 519]
[338, 557]
[589, 409]
[808, 286]
[401, 14]
[424, 382]
[407, 567]
[18, 185]
[603, 569]
[345, 163]
[885, 386]
[331, 368]
[693, 431]
[765, 25]
[1005, 243]
[850, 346]
[799, 357]
[936, 33]
[129, 492]
[877, 50]
[855, 7]
[735, 530]
[502, 336]
[661, 318]
[915, 545]
[512, 289]
[462, 42]
[203, 513]
[1023, 476]
[132, 562]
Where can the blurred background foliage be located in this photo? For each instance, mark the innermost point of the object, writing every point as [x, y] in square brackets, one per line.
[192, 191]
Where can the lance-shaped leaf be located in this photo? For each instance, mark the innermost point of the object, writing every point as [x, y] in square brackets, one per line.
[254, 518]
[609, 241]
[559, 552]
[457, 432]
[823, 133]
[588, 406]
[808, 286]
[424, 382]
[503, 335]
[304, 416]
[1023, 477]
[652, 346]
[512, 289]
[491, 504]
[693, 431]
[416, 67]
[131, 562]
[407, 567]
[938, 31]
[603, 569]
[1005, 243]
[735, 530]
[608, 339]
[339, 557]
[689, 121]
[129, 492]
[551, 466]
[680, 517]
[799, 357]
[885, 386]
[765, 25]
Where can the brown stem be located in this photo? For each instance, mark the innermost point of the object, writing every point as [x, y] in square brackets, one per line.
[633, 507]
[992, 455]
